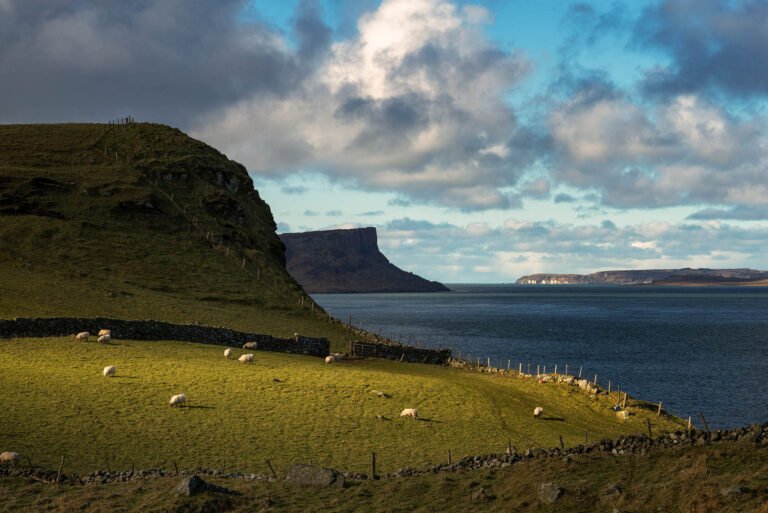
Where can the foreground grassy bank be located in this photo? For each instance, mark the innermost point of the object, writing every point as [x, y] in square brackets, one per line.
[718, 478]
[285, 408]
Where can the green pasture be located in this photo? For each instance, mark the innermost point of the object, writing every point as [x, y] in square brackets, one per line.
[284, 408]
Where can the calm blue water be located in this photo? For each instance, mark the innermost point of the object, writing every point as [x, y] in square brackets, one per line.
[697, 349]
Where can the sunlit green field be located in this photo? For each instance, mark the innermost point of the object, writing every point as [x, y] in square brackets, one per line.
[284, 408]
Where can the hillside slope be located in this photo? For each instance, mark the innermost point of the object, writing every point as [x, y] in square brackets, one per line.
[348, 261]
[139, 221]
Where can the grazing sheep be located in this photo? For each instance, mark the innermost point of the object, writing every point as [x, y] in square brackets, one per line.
[178, 400]
[227, 353]
[104, 339]
[329, 359]
[9, 457]
[105, 332]
[83, 335]
[249, 345]
[409, 412]
[538, 411]
[109, 371]
[246, 358]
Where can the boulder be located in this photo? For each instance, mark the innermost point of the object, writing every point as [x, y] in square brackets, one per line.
[550, 492]
[310, 475]
[194, 485]
[191, 486]
[613, 490]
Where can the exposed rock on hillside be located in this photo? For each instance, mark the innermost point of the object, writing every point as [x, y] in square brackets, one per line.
[347, 261]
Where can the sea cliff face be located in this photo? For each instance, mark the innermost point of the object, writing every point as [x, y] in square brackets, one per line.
[648, 276]
[347, 261]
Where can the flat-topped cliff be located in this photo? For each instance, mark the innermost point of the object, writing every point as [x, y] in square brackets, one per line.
[347, 261]
[651, 276]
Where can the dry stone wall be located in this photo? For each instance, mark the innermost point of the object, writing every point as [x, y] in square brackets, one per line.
[159, 330]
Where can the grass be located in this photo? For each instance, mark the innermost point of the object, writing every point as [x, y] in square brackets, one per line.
[686, 480]
[78, 239]
[56, 402]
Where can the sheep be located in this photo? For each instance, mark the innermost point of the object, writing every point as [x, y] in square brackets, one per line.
[227, 353]
[178, 400]
[109, 371]
[9, 457]
[338, 356]
[537, 412]
[249, 345]
[83, 335]
[329, 359]
[104, 339]
[409, 412]
[105, 332]
[246, 358]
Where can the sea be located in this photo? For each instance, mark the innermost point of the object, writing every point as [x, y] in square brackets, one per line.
[701, 351]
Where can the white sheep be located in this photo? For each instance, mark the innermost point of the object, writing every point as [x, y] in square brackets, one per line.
[538, 411]
[9, 457]
[178, 400]
[249, 345]
[227, 353]
[104, 339]
[109, 371]
[105, 332]
[329, 359]
[83, 335]
[409, 412]
[246, 358]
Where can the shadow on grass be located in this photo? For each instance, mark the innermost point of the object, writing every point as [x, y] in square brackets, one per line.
[124, 377]
[199, 407]
[424, 419]
[556, 419]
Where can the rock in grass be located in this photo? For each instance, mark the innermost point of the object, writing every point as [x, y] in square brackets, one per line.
[194, 485]
[191, 486]
[310, 475]
[550, 492]
[481, 495]
[613, 490]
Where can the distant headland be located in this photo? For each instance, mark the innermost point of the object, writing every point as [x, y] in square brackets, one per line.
[347, 261]
[678, 277]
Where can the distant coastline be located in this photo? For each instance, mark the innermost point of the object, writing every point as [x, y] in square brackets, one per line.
[658, 277]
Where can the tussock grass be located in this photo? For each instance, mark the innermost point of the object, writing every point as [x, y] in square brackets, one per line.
[285, 408]
[688, 480]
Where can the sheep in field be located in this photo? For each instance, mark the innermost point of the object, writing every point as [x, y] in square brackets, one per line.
[537, 412]
[246, 358]
[105, 332]
[104, 339]
[329, 359]
[9, 458]
[109, 371]
[409, 412]
[227, 353]
[178, 400]
[249, 345]
[83, 335]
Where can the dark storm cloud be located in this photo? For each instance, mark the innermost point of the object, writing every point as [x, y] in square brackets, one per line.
[736, 214]
[713, 43]
[293, 189]
[564, 198]
[163, 60]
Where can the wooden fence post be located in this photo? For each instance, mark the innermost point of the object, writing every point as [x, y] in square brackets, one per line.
[562, 444]
[271, 469]
[373, 465]
[58, 474]
[659, 412]
[648, 423]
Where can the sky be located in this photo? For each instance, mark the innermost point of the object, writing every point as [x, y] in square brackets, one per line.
[484, 140]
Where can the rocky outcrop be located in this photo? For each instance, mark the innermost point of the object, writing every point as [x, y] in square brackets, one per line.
[347, 261]
[650, 276]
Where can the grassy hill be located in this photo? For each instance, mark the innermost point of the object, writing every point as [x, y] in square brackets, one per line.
[286, 408]
[140, 221]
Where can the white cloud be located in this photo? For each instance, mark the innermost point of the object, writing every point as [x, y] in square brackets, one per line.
[415, 103]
